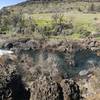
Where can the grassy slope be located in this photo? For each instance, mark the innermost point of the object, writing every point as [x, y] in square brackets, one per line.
[79, 20]
[43, 17]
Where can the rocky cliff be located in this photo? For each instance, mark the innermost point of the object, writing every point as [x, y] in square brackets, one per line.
[18, 83]
[45, 70]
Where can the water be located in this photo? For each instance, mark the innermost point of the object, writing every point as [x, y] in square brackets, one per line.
[5, 52]
[83, 60]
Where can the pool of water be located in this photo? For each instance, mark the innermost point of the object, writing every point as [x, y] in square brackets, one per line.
[84, 59]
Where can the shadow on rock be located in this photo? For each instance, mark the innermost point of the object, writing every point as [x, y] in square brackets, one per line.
[18, 88]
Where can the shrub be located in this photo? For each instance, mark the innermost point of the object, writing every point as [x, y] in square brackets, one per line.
[84, 33]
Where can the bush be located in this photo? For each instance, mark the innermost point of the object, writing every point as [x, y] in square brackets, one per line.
[84, 33]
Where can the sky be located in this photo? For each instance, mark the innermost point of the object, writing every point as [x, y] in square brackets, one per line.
[4, 3]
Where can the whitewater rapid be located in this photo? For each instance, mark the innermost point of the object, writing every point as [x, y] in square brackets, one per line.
[5, 52]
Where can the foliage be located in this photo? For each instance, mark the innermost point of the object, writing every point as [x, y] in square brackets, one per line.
[50, 24]
[84, 33]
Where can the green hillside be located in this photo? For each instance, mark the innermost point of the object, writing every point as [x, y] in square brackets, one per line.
[59, 18]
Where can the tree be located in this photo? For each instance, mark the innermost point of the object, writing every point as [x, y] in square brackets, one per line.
[92, 7]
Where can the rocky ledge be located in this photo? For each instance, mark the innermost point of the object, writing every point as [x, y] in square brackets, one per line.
[45, 70]
[13, 86]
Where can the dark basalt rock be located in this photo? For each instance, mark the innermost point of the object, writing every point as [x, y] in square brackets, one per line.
[23, 81]
[71, 90]
[44, 70]
[45, 88]
[11, 85]
[8, 46]
[18, 89]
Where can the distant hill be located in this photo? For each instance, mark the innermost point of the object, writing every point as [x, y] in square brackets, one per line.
[22, 18]
[52, 6]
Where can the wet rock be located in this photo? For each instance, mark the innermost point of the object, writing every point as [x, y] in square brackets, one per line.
[33, 44]
[54, 45]
[43, 70]
[11, 85]
[45, 88]
[83, 72]
[8, 46]
[71, 90]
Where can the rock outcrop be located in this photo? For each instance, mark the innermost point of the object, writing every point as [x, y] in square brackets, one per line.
[44, 70]
[20, 81]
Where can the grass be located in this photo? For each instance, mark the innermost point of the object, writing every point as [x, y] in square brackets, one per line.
[43, 22]
[62, 37]
[42, 13]
[79, 20]
[84, 20]
[77, 16]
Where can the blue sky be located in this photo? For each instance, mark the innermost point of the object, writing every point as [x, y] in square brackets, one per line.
[4, 3]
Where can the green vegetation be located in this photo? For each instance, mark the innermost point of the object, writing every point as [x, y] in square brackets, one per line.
[68, 25]
[52, 20]
[83, 24]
